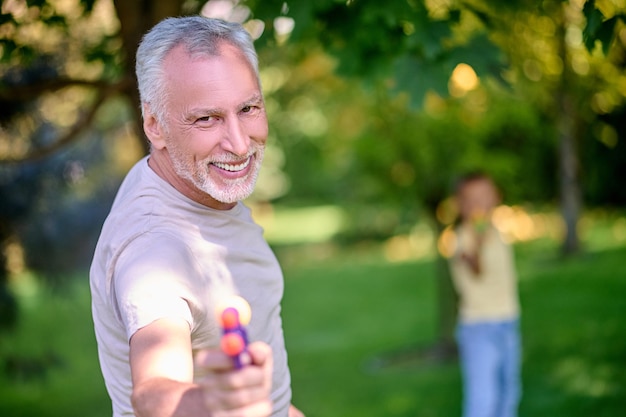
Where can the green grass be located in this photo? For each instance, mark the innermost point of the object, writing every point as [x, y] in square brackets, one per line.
[341, 318]
[575, 341]
[345, 313]
[50, 361]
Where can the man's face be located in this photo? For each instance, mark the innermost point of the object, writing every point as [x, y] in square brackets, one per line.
[215, 122]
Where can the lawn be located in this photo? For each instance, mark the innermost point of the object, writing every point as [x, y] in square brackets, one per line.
[345, 312]
[355, 313]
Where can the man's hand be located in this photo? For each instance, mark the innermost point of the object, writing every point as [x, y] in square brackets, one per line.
[168, 382]
[227, 391]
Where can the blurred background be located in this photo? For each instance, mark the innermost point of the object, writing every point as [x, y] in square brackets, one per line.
[375, 108]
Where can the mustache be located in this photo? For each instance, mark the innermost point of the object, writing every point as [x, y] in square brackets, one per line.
[228, 157]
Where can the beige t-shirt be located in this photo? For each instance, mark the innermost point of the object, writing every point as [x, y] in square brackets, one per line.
[492, 295]
[162, 255]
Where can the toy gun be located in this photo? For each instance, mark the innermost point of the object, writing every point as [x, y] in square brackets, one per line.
[233, 316]
[480, 221]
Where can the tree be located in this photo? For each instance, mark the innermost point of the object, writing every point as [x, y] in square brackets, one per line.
[58, 61]
[555, 70]
[414, 49]
[60, 64]
[93, 49]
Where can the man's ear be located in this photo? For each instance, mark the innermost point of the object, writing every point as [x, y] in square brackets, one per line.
[152, 127]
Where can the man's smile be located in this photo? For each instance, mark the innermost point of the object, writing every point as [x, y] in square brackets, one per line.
[232, 167]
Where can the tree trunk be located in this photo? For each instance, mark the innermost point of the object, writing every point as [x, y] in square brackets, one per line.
[444, 349]
[136, 18]
[8, 303]
[445, 345]
[570, 198]
[569, 184]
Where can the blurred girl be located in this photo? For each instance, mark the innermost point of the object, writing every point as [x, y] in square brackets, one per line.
[484, 276]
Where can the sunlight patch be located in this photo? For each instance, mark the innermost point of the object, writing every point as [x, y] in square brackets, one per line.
[578, 376]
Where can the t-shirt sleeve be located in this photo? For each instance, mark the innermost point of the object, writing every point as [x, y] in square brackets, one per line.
[151, 281]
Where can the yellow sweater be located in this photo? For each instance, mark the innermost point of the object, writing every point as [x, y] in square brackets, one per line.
[492, 294]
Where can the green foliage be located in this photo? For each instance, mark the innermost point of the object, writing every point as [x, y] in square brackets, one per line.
[392, 56]
[107, 52]
[16, 50]
[385, 133]
[87, 6]
[608, 146]
[599, 28]
[376, 41]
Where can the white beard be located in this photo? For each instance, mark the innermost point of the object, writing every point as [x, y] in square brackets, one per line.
[221, 189]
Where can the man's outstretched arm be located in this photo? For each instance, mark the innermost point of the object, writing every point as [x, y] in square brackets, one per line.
[162, 369]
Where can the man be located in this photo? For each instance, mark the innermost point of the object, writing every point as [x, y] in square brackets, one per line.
[178, 239]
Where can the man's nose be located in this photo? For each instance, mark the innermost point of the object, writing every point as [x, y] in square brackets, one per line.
[236, 140]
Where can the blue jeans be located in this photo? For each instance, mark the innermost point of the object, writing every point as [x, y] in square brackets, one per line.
[490, 364]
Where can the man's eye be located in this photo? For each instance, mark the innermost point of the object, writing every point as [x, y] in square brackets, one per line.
[204, 119]
[246, 109]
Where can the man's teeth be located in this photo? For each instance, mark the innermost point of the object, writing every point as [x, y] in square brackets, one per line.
[232, 168]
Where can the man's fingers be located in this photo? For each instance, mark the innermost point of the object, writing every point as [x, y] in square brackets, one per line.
[260, 409]
[238, 389]
[234, 399]
[227, 390]
[214, 359]
[211, 361]
[246, 377]
[260, 353]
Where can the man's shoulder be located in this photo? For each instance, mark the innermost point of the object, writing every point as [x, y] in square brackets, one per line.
[136, 180]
